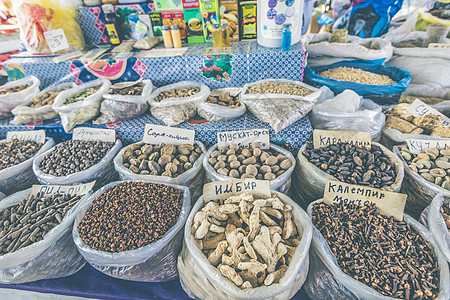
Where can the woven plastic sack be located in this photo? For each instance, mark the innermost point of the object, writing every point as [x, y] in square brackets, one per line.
[119, 108]
[192, 178]
[309, 180]
[281, 183]
[103, 172]
[82, 111]
[279, 110]
[53, 257]
[9, 101]
[173, 111]
[215, 112]
[200, 280]
[321, 52]
[369, 118]
[155, 262]
[326, 280]
[21, 176]
[24, 114]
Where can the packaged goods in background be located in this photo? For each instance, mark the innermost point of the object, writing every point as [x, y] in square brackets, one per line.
[229, 15]
[167, 5]
[15, 93]
[222, 105]
[175, 17]
[193, 20]
[210, 16]
[247, 20]
[156, 20]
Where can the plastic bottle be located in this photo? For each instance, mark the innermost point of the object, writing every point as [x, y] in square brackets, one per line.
[225, 35]
[112, 24]
[176, 36]
[287, 37]
[167, 36]
[217, 36]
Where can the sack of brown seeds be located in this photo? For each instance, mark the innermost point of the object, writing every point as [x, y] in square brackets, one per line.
[222, 105]
[16, 92]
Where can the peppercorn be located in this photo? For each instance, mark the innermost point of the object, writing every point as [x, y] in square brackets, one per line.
[16, 151]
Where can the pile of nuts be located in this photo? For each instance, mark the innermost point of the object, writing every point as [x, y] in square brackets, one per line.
[14, 152]
[30, 220]
[354, 165]
[135, 90]
[399, 118]
[74, 156]
[356, 75]
[445, 211]
[250, 241]
[14, 89]
[383, 253]
[273, 87]
[177, 93]
[130, 215]
[81, 95]
[225, 99]
[431, 164]
[160, 160]
[248, 162]
[46, 99]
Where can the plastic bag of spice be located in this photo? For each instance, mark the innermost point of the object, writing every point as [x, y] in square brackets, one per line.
[82, 109]
[391, 137]
[175, 110]
[21, 176]
[103, 172]
[326, 280]
[280, 110]
[309, 180]
[10, 98]
[193, 178]
[155, 262]
[25, 114]
[201, 280]
[118, 107]
[215, 112]
[282, 183]
[53, 257]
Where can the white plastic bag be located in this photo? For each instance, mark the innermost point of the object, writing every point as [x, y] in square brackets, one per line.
[24, 114]
[325, 53]
[282, 183]
[309, 180]
[119, 107]
[21, 176]
[391, 137]
[173, 111]
[53, 257]
[326, 280]
[82, 111]
[215, 112]
[279, 110]
[155, 262]
[422, 90]
[201, 280]
[9, 101]
[193, 178]
[103, 172]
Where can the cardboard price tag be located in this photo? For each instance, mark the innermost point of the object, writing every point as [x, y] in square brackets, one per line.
[323, 138]
[37, 136]
[56, 40]
[419, 109]
[156, 134]
[244, 138]
[219, 190]
[417, 146]
[94, 134]
[49, 190]
[388, 203]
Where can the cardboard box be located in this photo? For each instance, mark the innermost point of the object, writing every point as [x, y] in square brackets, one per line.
[156, 20]
[247, 20]
[175, 17]
[229, 14]
[210, 16]
[193, 20]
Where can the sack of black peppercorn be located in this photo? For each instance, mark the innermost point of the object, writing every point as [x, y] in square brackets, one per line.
[192, 178]
[309, 180]
[327, 280]
[103, 172]
[154, 262]
[119, 106]
[222, 105]
[54, 256]
[21, 176]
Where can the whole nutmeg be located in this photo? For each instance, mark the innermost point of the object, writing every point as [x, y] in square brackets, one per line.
[251, 170]
[222, 158]
[223, 171]
[247, 176]
[256, 145]
[246, 152]
[242, 169]
[269, 176]
[264, 156]
[265, 169]
[249, 161]
[235, 147]
[279, 173]
[260, 177]
[215, 153]
[232, 158]
[257, 152]
[275, 168]
[235, 164]
[231, 152]
[219, 165]
[286, 164]
[187, 166]
[234, 174]
[240, 157]
[281, 157]
[212, 161]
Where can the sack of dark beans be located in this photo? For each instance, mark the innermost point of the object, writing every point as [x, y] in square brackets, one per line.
[133, 230]
[16, 160]
[173, 164]
[36, 236]
[378, 168]
[275, 164]
[358, 253]
[76, 161]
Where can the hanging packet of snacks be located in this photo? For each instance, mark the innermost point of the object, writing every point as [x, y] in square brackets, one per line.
[48, 26]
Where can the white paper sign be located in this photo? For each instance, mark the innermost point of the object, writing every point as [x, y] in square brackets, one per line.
[49, 190]
[323, 138]
[94, 134]
[56, 40]
[438, 45]
[417, 146]
[419, 109]
[244, 138]
[156, 134]
[37, 136]
[219, 190]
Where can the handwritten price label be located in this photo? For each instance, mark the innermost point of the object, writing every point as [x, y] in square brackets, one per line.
[156, 134]
[56, 40]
